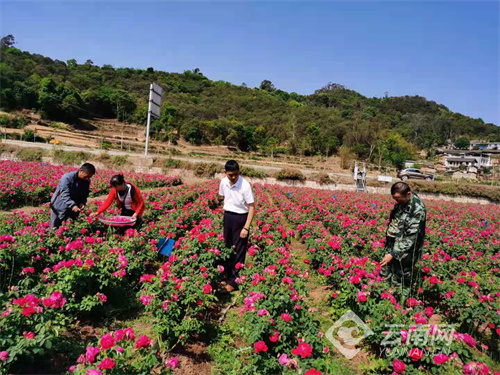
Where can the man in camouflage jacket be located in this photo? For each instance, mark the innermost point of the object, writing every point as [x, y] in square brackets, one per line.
[404, 238]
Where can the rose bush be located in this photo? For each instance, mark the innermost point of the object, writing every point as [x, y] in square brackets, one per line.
[98, 271]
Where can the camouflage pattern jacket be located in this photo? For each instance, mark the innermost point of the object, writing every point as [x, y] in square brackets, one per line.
[406, 231]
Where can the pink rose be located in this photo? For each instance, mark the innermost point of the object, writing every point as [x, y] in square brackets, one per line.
[91, 353]
[173, 363]
[119, 335]
[284, 360]
[102, 297]
[440, 359]
[398, 366]
[263, 312]
[129, 333]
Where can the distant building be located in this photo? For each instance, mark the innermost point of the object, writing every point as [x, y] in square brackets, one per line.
[494, 146]
[468, 159]
[409, 163]
[481, 145]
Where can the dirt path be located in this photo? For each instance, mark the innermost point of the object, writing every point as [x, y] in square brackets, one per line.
[318, 296]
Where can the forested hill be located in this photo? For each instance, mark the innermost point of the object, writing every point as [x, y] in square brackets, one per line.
[206, 111]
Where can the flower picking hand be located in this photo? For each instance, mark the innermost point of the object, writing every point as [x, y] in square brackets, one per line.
[75, 209]
[387, 259]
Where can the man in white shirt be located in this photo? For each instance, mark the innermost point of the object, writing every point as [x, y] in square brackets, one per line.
[239, 210]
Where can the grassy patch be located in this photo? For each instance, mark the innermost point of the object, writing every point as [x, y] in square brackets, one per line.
[70, 157]
[253, 173]
[469, 190]
[30, 154]
[290, 174]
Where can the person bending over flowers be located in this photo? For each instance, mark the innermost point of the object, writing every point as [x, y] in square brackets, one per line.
[127, 197]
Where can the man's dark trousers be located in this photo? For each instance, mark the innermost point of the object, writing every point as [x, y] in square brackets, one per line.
[233, 224]
[56, 221]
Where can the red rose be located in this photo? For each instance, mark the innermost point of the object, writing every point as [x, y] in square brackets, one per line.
[274, 337]
[207, 289]
[106, 364]
[433, 280]
[416, 354]
[107, 341]
[312, 371]
[142, 342]
[361, 297]
[304, 350]
[286, 317]
[260, 346]
[429, 311]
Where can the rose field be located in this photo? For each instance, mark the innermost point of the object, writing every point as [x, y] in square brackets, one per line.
[32, 183]
[89, 299]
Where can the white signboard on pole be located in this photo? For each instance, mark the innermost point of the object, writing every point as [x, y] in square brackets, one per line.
[154, 108]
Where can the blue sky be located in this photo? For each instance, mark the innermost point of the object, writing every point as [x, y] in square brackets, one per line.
[443, 50]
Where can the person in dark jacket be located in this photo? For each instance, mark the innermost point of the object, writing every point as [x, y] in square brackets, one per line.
[71, 195]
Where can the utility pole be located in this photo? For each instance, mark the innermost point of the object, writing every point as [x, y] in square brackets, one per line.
[155, 93]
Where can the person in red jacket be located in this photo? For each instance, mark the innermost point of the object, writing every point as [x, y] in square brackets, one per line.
[127, 197]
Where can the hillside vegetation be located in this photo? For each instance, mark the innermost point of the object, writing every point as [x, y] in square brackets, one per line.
[203, 111]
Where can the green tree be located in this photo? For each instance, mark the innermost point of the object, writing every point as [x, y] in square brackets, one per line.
[7, 41]
[314, 139]
[395, 149]
[192, 132]
[462, 143]
[271, 145]
[71, 63]
[267, 85]
[48, 98]
[343, 116]
[125, 104]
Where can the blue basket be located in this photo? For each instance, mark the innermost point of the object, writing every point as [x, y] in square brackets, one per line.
[165, 246]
